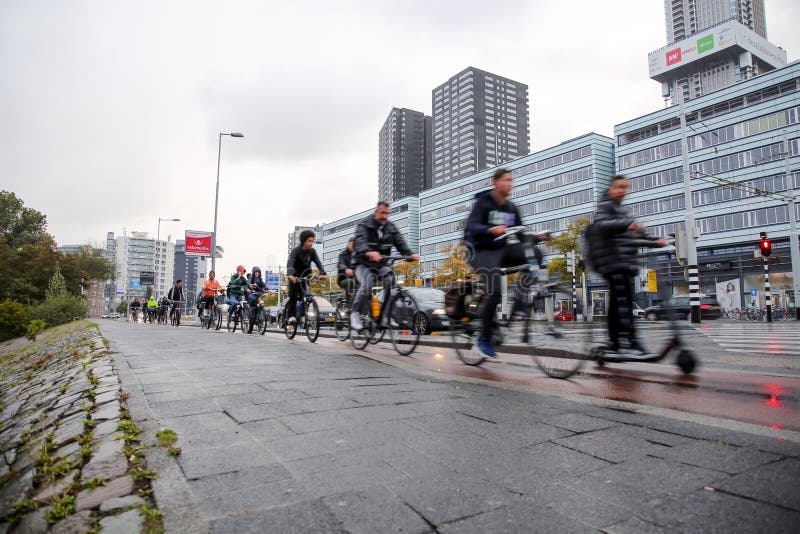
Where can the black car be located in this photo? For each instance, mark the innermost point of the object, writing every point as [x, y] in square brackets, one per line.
[431, 316]
[327, 312]
[679, 306]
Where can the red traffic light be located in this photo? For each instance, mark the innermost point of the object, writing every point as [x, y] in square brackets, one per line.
[766, 247]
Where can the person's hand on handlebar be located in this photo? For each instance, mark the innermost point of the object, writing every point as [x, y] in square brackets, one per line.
[292, 278]
[414, 257]
[498, 230]
[544, 236]
[374, 256]
[348, 272]
[323, 277]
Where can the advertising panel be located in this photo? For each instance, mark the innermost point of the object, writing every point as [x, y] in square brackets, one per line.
[728, 294]
[198, 243]
[147, 278]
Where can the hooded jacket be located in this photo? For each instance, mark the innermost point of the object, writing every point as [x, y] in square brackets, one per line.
[615, 249]
[371, 237]
[345, 262]
[257, 283]
[486, 213]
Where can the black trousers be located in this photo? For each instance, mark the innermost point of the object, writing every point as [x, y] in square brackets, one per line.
[296, 293]
[620, 309]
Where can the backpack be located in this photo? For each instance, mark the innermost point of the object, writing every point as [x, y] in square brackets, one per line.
[589, 246]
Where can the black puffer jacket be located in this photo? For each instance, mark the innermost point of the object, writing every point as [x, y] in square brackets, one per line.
[371, 237]
[614, 248]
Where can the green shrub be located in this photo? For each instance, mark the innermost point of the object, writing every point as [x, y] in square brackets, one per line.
[14, 319]
[35, 328]
[59, 309]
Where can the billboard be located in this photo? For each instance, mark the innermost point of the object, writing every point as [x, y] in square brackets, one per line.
[147, 278]
[273, 280]
[198, 243]
[721, 37]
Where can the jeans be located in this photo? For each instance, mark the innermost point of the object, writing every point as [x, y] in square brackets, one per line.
[367, 277]
[234, 300]
[347, 284]
[487, 265]
[620, 309]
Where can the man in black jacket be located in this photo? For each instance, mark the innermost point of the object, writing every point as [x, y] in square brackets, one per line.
[346, 277]
[374, 238]
[615, 241]
[176, 296]
[491, 215]
[299, 266]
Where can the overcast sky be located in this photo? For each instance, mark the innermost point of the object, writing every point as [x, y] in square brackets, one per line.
[111, 110]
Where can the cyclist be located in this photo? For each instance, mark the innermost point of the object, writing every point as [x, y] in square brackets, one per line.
[210, 290]
[616, 258]
[374, 238]
[492, 214]
[299, 265]
[346, 276]
[257, 287]
[236, 288]
[152, 307]
[176, 296]
[164, 308]
[136, 306]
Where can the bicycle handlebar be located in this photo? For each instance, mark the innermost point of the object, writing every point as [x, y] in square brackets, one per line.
[395, 258]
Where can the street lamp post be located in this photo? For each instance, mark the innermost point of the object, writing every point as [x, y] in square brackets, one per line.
[216, 201]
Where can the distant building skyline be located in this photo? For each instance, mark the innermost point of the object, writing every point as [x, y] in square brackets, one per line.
[404, 154]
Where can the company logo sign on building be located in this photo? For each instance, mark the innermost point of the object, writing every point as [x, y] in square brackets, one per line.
[673, 56]
[705, 44]
[198, 243]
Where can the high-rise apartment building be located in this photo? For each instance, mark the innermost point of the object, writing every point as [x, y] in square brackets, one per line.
[404, 153]
[480, 120]
[135, 255]
[688, 17]
[712, 44]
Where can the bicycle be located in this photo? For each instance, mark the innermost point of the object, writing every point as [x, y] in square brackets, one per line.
[175, 316]
[309, 312]
[466, 325]
[400, 324]
[163, 311]
[239, 316]
[211, 316]
[259, 316]
[342, 325]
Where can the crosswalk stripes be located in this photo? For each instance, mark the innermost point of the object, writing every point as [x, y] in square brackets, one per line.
[781, 338]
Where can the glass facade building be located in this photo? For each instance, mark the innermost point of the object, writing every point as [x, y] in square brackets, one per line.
[734, 134]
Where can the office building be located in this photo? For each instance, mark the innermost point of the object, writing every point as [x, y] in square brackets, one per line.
[136, 257]
[404, 152]
[335, 234]
[552, 188]
[480, 120]
[192, 270]
[712, 44]
[734, 135]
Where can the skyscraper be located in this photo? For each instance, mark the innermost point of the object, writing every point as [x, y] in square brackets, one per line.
[479, 120]
[712, 44]
[404, 153]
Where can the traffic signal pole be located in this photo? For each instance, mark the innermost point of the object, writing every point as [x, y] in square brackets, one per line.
[794, 245]
[767, 292]
[691, 230]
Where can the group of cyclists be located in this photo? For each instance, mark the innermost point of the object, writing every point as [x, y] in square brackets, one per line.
[160, 311]
[366, 262]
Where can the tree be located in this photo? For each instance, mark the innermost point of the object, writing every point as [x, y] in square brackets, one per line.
[408, 272]
[455, 266]
[57, 286]
[122, 307]
[86, 265]
[20, 225]
[567, 241]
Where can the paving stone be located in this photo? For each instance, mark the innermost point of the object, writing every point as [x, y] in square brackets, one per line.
[16, 489]
[45, 494]
[108, 380]
[519, 517]
[613, 445]
[98, 369]
[32, 523]
[299, 518]
[75, 524]
[92, 498]
[119, 503]
[376, 510]
[107, 462]
[105, 428]
[106, 397]
[720, 456]
[68, 433]
[775, 483]
[107, 389]
[129, 522]
[578, 422]
[70, 451]
[203, 462]
[110, 410]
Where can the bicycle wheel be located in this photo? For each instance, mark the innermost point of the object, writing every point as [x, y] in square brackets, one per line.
[262, 321]
[464, 335]
[233, 320]
[360, 338]
[244, 318]
[289, 329]
[405, 337]
[342, 325]
[377, 335]
[560, 352]
[312, 320]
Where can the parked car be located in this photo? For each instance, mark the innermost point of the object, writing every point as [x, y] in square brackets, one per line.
[327, 312]
[638, 311]
[113, 315]
[679, 306]
[272, 314]
[431, 316]
[563, 315]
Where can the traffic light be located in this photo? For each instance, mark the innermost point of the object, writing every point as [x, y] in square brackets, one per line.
[765, 245]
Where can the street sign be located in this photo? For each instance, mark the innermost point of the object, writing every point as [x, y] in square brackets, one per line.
[147, 278]
[273, 280]
[120, 292]
[198, 243]
[754, 292]
[136, 284]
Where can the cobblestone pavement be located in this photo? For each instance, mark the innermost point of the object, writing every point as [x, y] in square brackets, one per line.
[282, 436]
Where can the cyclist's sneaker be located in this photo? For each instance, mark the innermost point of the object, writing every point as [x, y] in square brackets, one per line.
[485, 349]
[355, 321]
[519, 315]
[389, 323]
[292, 320]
